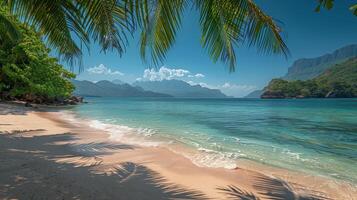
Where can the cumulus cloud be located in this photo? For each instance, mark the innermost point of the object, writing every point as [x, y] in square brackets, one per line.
[199, 75]
[102, 69]
[165, 73]
[196, 76]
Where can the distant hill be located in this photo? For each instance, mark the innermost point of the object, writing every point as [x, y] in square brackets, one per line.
[339, 81]
[255, 94]
[117, 81]
[308, 68]
[109, 89]
[178, 88]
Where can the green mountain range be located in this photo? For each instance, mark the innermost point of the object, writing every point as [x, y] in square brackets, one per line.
[308, 68]
[338, 81]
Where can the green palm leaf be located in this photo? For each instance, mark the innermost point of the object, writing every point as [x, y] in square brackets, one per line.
[62, 21]
[12, 34]
[231, 23]
[225, 25]
[159, 21]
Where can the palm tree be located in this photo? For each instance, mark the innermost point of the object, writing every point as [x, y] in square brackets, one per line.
[68, 25]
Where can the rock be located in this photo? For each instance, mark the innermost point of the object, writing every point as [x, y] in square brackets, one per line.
[272, 95]
[300, 96]
[27, 104]
[330, 94]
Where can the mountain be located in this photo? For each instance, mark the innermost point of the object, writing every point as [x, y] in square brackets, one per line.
[109, 89]
[178, 88]
[308, 68]
[117, 81]
[339, 81]
[255, 94]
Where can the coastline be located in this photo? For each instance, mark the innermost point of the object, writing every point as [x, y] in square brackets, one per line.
[40, 141]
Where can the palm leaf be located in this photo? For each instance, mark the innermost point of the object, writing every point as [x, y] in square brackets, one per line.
[231, 23]
[354, 9]
[159, 21]
[55, 19]
[107, 22]
[62, 21]
[11, 34]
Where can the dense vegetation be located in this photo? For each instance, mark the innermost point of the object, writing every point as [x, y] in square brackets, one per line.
[340, 81]
[27, 72]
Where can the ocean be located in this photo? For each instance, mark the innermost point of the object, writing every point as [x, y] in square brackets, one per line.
[315, 136]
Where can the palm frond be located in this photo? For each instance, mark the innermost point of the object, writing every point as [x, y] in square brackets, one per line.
[11, 34]
[159, 21]
[328, 4]
[64, 22]
[107, 22]
[263, 32]
[56, 20]
[353, 8]
[228, 24]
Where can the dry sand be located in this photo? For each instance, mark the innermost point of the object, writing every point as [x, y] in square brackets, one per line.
[44, 157]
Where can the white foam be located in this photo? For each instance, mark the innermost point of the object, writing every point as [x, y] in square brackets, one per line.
[126, 134]
[119, 133]
[202, 157]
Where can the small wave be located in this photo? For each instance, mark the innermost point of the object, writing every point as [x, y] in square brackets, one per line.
[117, 132]
[214, 159]
[126, 134]
[202, 157]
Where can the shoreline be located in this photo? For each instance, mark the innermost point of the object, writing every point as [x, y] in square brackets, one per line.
[92, 150]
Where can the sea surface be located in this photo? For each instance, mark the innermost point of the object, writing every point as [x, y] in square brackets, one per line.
[315, 136]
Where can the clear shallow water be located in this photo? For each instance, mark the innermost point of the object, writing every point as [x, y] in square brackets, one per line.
[312, 135]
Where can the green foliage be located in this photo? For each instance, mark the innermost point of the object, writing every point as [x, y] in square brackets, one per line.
[338, 81]
[328, 4]
[225, 25]
[28, 72]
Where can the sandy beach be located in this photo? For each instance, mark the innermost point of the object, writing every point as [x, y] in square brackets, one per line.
[44, 157]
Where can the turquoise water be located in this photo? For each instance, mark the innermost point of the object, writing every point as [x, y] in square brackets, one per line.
[311, 135]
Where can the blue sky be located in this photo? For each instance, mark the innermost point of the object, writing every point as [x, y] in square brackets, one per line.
[307, 34]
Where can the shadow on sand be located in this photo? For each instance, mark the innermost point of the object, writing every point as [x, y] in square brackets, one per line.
[48, 179]
[268, 188]
[55, 167]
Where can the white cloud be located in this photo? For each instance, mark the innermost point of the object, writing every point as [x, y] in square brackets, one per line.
[196, 76]
[101, 69]
[164, 73]
[199, 75]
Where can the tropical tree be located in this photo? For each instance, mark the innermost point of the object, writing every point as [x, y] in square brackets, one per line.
[27, 72]
[69, 24]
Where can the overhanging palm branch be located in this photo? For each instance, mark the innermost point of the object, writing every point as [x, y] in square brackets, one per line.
[65, 22]
[12, 34]
[328, 4]
[225, 25]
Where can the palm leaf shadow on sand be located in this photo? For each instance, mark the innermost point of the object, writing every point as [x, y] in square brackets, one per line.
[269, 188]
[31, 172]
[233, 192]
[277, 189]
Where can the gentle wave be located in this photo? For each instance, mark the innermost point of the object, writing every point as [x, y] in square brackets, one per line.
[202, 157]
